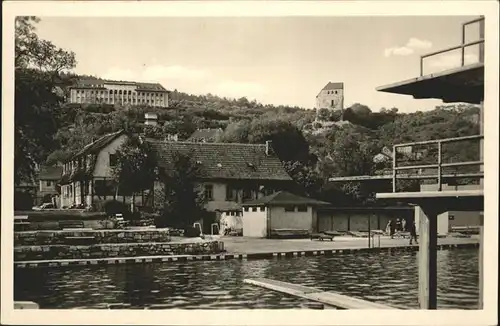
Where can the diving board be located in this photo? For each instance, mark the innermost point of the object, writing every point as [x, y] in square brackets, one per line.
[335, 300]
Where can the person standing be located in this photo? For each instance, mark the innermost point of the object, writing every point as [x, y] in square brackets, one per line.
[392, 228]
[413, 233]
[398, 225]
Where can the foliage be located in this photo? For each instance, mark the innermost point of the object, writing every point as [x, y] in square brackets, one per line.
[37, 67]
[182, 202]
[191, 232]
[23, 201]
[136, 166]
[47, 130]
[112, 207]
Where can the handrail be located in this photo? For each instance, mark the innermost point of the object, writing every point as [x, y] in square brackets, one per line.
[444, 140]
[439, 165]
[462, 46]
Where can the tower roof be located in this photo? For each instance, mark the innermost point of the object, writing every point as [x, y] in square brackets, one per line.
[332, 86]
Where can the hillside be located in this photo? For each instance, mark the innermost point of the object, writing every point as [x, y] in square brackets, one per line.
[49, 131]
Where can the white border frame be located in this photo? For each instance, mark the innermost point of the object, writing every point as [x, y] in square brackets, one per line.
[255, 8]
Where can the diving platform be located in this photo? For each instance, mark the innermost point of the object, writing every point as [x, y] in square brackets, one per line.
[331, 299]
[461, 84]
[464, 83]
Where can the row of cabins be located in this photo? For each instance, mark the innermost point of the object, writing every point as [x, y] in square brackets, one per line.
[245, 187]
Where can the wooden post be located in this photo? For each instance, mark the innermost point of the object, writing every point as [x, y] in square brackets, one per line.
[369, 231]
[427, 257]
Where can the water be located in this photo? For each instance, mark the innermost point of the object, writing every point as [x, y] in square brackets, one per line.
[381, 277]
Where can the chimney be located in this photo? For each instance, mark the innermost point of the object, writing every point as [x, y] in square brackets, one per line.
[268, 147]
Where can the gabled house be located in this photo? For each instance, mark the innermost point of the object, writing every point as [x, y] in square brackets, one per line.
[48, 178]
[87, 175]
[230, 173]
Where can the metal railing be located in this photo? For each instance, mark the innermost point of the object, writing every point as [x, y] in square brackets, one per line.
[439, 165]
[462, 46]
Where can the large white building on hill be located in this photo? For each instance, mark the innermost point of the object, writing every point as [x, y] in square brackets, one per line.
[99, 91]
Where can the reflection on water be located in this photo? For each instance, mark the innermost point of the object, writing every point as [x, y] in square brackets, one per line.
[387, 277]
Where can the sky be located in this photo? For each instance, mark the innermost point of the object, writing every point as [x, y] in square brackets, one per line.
[275, 60]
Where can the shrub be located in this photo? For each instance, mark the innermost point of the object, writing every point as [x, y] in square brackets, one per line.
[191, 232]
[112, 207]
[22, 201]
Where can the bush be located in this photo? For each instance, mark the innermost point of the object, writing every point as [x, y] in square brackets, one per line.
[113, 207]
[22, 201]
[160, 221]
[191, 232]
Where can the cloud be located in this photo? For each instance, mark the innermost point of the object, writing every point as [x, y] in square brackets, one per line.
[410, 47]
[416, 43]
[398, 51]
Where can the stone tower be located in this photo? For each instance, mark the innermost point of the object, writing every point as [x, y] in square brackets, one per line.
[331, 97]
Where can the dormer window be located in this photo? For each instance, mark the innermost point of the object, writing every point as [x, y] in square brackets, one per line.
[198, 162]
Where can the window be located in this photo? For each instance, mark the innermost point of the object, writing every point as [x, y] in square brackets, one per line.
[289, 209]
[48, 183]
[302, 208]
[245, 209]
[333, 102]
[112, 160]
[247, 194]
[262, 208]
[254, 209]
[229, 192]
[209, 192]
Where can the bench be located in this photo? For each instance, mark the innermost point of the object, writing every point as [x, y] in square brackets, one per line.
[71, 225]
[321, 236]
[403, 235]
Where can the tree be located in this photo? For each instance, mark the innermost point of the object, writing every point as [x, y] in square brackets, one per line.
[350, 155]
[38, 64]
[307, 179]
[288, 142]
[183, 201]
[136, 166]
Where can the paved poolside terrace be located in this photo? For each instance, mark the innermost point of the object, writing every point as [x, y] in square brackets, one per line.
[254, 248]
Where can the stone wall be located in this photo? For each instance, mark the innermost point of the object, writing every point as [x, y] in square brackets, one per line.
[57, 252]
[61, 237]
[54, 225]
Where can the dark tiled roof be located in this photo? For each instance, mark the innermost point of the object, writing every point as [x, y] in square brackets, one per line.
[150, 87]
[96, 146]
[285, 198]
[205, 134]
[331, 86]
[50, 173]
[224, 160]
